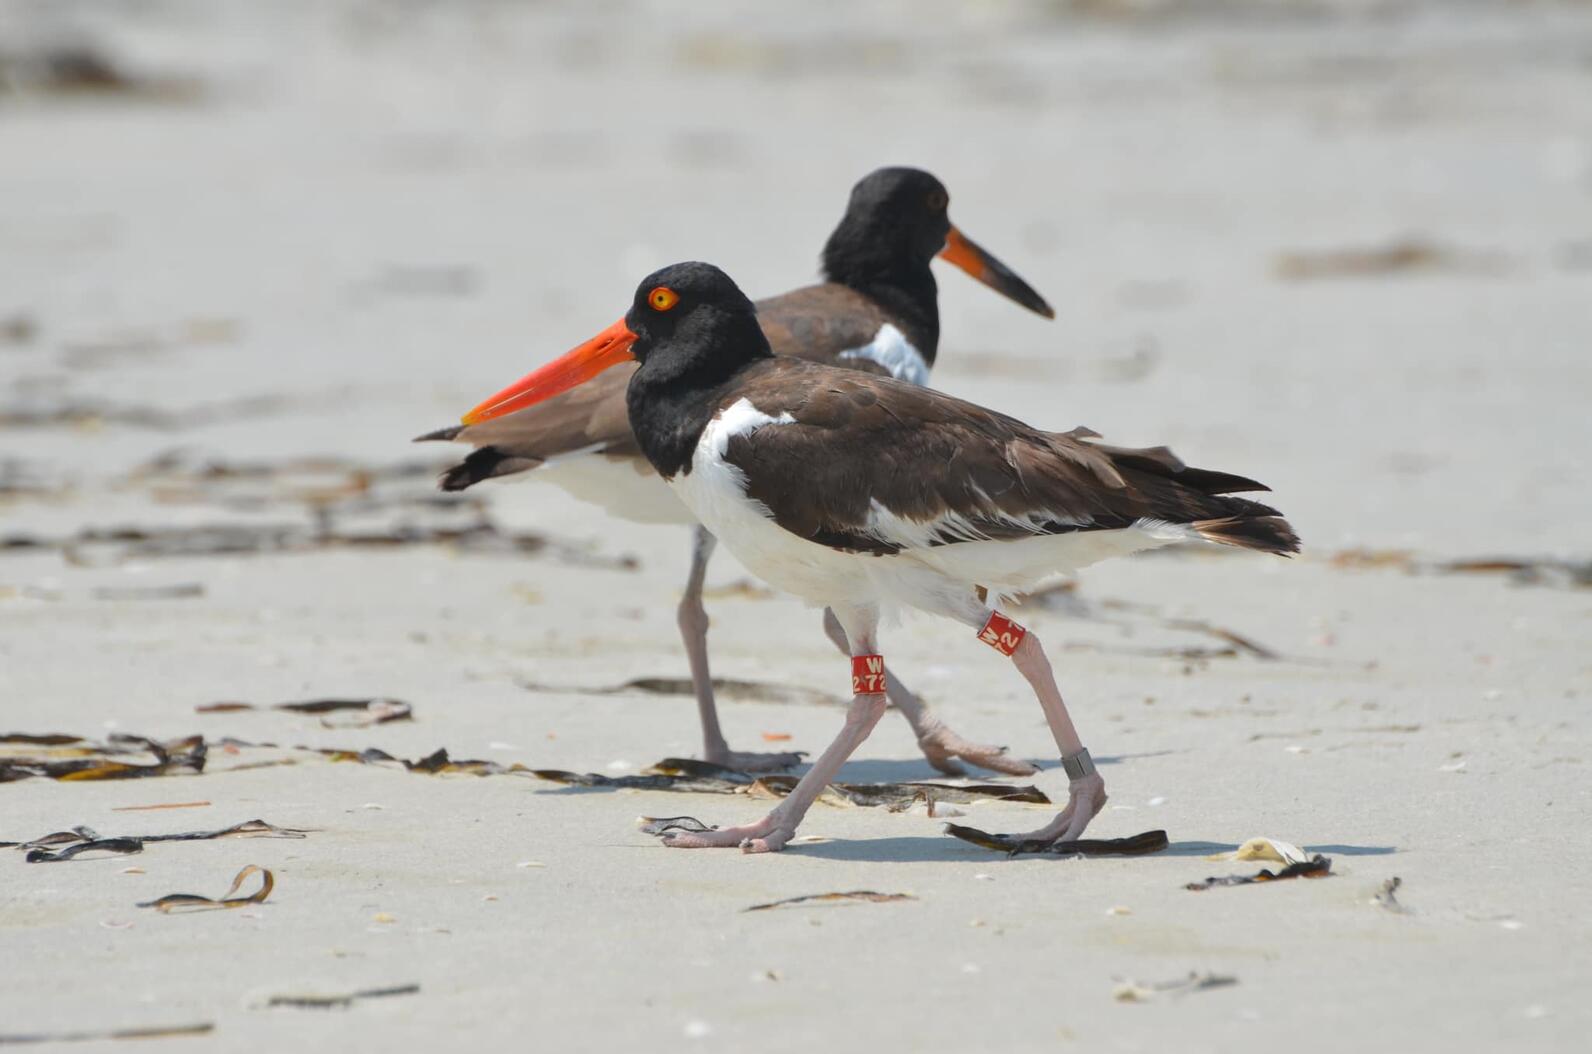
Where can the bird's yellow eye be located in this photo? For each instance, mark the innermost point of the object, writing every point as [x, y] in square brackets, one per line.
[663, 298]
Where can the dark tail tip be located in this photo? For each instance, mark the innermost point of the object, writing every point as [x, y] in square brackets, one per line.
[483, 464]
[441, 434]
[1267, 534]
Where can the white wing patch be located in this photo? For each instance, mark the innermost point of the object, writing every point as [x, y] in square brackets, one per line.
[949, 527]
[740, 419]
[715, 489]
[891, 349]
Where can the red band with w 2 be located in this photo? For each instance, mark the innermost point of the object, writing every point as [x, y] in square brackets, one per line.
[1001, 633]
[867, 675]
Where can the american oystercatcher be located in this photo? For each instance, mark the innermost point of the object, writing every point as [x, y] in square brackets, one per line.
[877, 311]
[860, 493]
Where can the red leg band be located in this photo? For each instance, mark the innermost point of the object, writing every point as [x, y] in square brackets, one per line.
[867, 675]
[1001, 633]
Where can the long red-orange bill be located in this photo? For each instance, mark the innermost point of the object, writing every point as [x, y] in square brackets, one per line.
[607, 349]
[973, 258]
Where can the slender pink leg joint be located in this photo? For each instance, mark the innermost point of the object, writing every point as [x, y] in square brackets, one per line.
[774, 831]
[1086, 790]
[940, 744]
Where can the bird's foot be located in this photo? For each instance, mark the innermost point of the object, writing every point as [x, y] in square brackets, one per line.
[1085, 798]
[748, 761]
[942, 747]
[768, 835]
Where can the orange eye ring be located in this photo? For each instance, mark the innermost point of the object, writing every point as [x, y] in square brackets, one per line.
[663, 298]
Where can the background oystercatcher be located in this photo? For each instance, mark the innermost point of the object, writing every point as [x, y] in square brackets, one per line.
[877, 311]
[861, 493]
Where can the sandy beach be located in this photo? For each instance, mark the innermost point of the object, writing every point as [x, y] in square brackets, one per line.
[1345, 248]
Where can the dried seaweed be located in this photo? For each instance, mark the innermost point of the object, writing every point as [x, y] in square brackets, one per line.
[1545, 572]
[81, 840]
[336, 503]
[1317, 866]
[204, 1028]
[1190, 653]
[438, 762]
[1131, 617]
[246, 829]
[899, 796]
[176, 591]
[1521, 570]
[855, 896]
[1398, 257]
[114, 846]
[670, 774]
[49, 739]
[89, 413]
[109, 546]
[84, 69]
[342, 1001]
[90, 761]
[1134, 845]
[76, 834]
[367, 712]
[324, 483]
[190, 902]
[661, 825]
[1242, 643]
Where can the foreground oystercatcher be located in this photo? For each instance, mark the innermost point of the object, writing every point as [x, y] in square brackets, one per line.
[877, 311]
[861, 493]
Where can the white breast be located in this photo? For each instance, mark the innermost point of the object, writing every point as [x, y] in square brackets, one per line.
[891, 349]
[715, 490]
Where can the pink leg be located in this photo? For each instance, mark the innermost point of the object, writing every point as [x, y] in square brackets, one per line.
[693, 619]
[940, 745]
[1086, 796]
[770, 834]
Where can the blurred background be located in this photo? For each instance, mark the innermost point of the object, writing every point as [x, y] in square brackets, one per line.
[1342, 245]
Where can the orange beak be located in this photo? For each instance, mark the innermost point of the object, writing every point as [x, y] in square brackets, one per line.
[607, 349]
[967, 254]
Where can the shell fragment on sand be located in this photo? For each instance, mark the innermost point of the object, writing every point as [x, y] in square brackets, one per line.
[1272, 849]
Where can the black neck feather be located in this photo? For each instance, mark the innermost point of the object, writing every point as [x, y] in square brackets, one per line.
[681, 383]
[891, 278]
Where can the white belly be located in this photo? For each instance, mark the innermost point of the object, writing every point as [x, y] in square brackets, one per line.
[1024, 565]
[715, 491]
[625, 487]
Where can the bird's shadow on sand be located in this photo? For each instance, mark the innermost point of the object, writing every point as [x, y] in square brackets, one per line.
[896, 850]
[917, 770]
[908, 850]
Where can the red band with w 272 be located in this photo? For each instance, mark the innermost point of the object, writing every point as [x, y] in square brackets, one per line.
[1001, 633]
[867, 675]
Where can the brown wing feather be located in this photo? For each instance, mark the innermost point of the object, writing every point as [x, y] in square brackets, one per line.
[818, 322]
[953, 471]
